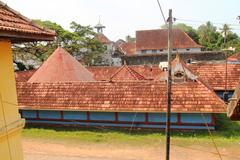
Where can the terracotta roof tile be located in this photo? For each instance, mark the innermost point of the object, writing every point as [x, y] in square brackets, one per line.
[19, 28]
[214, 74]
[125, 73]
[234, 57]
[157, 39]
[118, 96]
[211, 74]
[105, 72]
[24, 76]
[127, 48]
[102, 38]
[60, 67]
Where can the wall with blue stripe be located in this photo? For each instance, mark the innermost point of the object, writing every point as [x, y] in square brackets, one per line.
[123, 119]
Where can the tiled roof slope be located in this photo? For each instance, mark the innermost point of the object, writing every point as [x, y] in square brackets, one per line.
[105, 72]
[214, 74]
[19, 28]
[24, 76]
[61, 67]
[102, 38]
[127, 48]
[101, 73]
[235, 57]
[118, 97]
[157, 39]
[126, 73]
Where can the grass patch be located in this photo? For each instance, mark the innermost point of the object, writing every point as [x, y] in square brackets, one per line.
[227, 133]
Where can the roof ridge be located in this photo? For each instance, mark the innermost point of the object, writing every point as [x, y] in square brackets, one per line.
[51, 32]
[133, 73]
[191, 39]
[137, 74]
[118, 70]
[211, 90]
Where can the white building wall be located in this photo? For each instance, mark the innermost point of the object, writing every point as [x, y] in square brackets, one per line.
[165, 50]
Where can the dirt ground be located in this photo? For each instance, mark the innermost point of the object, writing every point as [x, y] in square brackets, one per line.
[37, 149]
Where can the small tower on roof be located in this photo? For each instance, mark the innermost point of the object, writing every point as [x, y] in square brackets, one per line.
[99, 26]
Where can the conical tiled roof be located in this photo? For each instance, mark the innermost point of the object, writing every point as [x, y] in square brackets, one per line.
[61, 67]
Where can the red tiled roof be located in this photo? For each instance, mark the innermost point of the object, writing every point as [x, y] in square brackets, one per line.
[214, 74]
[128, 48]
[157, 39]
[102, 38]
[61, 67]
[125, 73]
[101, 73]
[105, 72]
[19, 28]
[24, 76]
[187, 97]
[234, 57]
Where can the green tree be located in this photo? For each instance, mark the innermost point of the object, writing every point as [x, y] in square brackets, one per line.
[188, 29]
[80, 41]
[225, 30]
[209, 37]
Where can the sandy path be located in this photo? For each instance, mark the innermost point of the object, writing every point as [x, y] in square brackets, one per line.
[37, 149]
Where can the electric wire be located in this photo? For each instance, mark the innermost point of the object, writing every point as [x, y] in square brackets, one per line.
[204, 151]
[133, 120]
[5, 123]
[197, 21]
[160, 7]
[104, 128]
[211, 136]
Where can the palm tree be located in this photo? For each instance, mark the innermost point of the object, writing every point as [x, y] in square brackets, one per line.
[225, 31]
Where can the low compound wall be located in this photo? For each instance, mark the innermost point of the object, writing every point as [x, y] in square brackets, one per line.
[119, 119]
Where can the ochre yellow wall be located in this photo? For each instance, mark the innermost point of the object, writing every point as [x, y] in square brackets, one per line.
[10, 121]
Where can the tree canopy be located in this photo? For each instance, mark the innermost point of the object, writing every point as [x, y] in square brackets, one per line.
[211, 37]
[80, 41]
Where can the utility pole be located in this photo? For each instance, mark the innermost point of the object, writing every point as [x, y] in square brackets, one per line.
[225, 94]
[169, 86]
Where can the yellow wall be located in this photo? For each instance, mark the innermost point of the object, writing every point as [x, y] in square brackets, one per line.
[10, 121]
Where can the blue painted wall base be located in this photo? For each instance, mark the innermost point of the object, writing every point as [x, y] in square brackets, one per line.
[192, 121]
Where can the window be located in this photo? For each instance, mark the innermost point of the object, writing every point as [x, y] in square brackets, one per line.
[189, 61]
[174, 49]
[144, 51]
[161, 50]
[154, 51]
[179, 74]
[165, 68]
[188, 49]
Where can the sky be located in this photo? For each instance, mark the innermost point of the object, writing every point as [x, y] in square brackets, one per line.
[124, 17]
